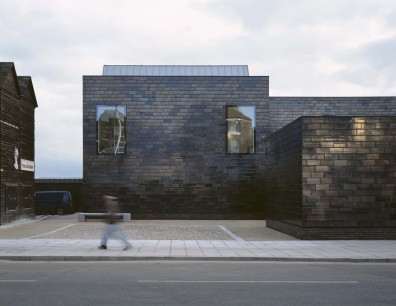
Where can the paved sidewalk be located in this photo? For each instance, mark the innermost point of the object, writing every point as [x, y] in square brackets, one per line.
[54, 239]
[81, 250]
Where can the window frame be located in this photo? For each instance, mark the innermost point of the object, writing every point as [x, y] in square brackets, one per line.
[239, 129]
[99, 112]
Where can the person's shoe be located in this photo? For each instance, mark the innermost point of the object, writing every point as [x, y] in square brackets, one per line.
[102, 247]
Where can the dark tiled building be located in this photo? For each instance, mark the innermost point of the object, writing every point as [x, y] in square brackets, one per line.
[18, 103]
[160, 141]
[209, 142]
[333, 178]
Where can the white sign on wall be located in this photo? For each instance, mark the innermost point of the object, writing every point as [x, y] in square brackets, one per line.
[27, 165]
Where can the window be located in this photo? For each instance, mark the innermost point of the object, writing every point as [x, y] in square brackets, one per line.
[111, 129]
[241, 123]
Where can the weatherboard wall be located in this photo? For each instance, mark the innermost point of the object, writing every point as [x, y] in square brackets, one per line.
[17, 131]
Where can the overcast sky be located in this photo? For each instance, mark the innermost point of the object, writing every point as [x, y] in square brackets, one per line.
[306, 47]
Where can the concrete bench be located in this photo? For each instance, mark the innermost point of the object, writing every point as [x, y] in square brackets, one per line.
[82, 217]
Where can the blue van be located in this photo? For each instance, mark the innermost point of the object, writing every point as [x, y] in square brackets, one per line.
[53, 202]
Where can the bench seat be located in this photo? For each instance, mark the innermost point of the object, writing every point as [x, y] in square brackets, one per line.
[82, 217]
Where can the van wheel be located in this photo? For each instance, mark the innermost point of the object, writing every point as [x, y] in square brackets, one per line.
[59, 211]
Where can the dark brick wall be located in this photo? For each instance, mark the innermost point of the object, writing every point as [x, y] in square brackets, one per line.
[176, 164]
[283, 175]
[284, 110]
[351, 233]
[348, 179]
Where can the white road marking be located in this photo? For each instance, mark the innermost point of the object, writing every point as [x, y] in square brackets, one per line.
[17, 280]
[51, 232]
[248, 281]
[230, 233]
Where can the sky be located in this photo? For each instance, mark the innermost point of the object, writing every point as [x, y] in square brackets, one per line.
[306, 47]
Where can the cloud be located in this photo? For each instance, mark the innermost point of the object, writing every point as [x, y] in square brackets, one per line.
[372, 65]
[309, 47]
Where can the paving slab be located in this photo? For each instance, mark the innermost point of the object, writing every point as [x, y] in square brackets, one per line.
[63, 239]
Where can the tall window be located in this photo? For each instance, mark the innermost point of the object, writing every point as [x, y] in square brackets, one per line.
[241, 124]
[111, 129]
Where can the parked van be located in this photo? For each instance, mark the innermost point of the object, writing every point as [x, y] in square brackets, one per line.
[53, 202]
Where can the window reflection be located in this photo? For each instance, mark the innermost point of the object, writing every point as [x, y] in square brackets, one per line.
[240, 129]
[111, 129]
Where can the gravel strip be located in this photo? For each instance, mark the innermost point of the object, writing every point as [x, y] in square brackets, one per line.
[142, 232]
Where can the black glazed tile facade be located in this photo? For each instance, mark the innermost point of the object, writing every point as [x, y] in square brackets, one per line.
[284, 110]
[348, 178]
[176, 165]
[327, 175]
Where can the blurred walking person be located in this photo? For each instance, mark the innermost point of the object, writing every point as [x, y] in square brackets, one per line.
[112, 229]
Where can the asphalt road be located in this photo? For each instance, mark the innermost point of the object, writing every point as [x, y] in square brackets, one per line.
[196, 283]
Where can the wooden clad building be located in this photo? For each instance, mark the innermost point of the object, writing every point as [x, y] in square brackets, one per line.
[18, 103]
